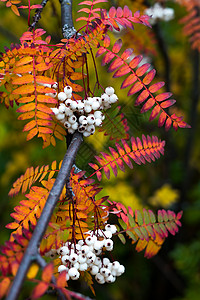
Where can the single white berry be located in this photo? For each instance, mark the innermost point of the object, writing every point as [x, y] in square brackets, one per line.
[111, 228]
[88, 108]
[68, 89]
[98, 122]
[68, 112]
[61, 108]
[90, 128]
[120, 270]
[113, 98]
[89, 240]
[95, 105]
[104, 98]
[109, 90]
[99, 278]
[108, 243]
[62, 268]
[62, 96]
[82, 258]
[55, 85]
[71, 131]
[67, 124]
[83, 267]
[82, 119]
[94, 270]
[76, 265]
[86, 133]
[90, 119]
[81, 242]
[74, 105]
[84, 249]
[75, 126]
[105, 272]
[65, 259]
[97, 252]
[110, 279]
[98, 245]
[72, 272]
[116, 265]
[106, 262]
[63, 250]
[68, 102]
[81, 128]
[98, 114]
[60, 116]
[72, 119]
[98, 262]
[73, 258]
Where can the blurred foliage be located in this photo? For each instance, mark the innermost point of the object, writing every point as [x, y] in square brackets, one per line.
[174, 177]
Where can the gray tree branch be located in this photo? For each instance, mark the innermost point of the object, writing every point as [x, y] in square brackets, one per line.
[31, 253]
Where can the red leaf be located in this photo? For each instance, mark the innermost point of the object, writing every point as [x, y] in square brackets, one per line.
[135, 61]
[128, 81]
[126, 54]
[142, 97]
[117, 46]
[107, 58]
[162, 119]
[115, 64]
[156, 86]
[168, 124]
[135, 88]
[167, 103]
[163, 96]
[154, 112]
[149, 77]
[39, 290]
[147, 105]
[122, 71]
[143, 69]
[112, 12]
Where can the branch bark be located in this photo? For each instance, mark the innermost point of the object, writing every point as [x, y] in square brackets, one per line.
[31, 253]
[68, 29]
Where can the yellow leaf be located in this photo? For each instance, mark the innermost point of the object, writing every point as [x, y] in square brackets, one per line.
[33, 270]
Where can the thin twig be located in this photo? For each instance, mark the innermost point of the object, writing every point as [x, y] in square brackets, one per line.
[37, 16]
[32, 249]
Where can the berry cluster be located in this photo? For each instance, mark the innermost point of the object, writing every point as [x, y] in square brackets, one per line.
[83, 115]
[84, 256]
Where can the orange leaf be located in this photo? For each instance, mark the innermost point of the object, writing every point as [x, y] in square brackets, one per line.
[46, 99]
[14, 267]
[23, 79]
[26, 99]
[44, 130]
[42, 67]
[44, 79]
[23, 61]
[47, 273]
[27, 115]
[4, 285]
[15, 10]
[29, 125]
[61, 280]
[23, 69]
[26, 107]
[12, 225]
[25, 89]
[39, 290]
[44, 108]
[31, 134]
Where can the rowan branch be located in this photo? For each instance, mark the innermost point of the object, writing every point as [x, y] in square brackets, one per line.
[37, 16]
[68, 29]
[31, 253]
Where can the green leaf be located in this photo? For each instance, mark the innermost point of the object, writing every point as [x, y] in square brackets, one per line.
[131, 235]
[122, 238]
[122, 223]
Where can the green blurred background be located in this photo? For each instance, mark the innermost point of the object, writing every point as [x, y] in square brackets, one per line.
[172, 182]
